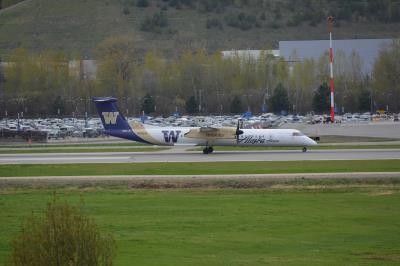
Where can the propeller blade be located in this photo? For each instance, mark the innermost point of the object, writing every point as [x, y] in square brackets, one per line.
[238, 132]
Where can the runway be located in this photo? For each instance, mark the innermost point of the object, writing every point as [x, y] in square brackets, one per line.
[195, 156]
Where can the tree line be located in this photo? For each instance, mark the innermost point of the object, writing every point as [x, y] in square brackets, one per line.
[196, 82]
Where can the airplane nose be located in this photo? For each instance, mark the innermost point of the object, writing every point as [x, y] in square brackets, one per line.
[310, 142]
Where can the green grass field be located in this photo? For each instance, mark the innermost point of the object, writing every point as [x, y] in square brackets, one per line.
[213, 168]
[318, 225]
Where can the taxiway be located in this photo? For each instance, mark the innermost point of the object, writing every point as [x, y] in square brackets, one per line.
[195, 156]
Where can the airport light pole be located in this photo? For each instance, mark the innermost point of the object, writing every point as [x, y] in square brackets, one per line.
[331, 83]
[127, 101]
[155, 102]
[85, 100]
[248, 101]
[220, 100]
[200, 90]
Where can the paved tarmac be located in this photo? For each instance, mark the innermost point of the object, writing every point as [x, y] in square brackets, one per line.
[196, 156]
[364, 129]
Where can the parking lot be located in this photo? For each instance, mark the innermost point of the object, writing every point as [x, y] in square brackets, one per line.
[367, 125]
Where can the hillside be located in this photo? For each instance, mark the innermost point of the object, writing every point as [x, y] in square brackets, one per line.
[79, 25]
[8, 3]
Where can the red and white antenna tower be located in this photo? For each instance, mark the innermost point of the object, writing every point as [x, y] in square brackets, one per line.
[331, 83]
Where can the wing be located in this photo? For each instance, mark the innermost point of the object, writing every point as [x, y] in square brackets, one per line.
[212, 133]
[208, 129]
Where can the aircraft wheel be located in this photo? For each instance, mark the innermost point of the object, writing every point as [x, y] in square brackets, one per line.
[205, 150]
[304, 149]
[210, 149]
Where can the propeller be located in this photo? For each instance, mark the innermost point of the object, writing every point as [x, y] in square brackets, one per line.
[238, 132]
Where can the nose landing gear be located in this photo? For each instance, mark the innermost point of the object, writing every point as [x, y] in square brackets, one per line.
[208, 150]
[304, 149]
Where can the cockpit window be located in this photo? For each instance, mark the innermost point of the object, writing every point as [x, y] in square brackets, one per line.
[297, 134]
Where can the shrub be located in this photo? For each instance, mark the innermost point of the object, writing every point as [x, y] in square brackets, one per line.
[142, 3]
[126, 10]
[214, 23]
[241, 20]
[274, 25]
[316, 18]
[295, 20]
[63, 236]
[155, 23]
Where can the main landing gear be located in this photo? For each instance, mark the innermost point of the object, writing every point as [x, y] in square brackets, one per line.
[208, 150]
[304, 149]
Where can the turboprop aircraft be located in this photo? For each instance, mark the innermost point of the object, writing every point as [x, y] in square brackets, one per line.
[116, 125]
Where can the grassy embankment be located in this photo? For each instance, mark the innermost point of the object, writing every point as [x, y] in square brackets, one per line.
[197, 168]
[316, 225]
[8, 3]
[78, 26]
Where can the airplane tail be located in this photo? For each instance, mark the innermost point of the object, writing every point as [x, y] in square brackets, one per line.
[110, 115]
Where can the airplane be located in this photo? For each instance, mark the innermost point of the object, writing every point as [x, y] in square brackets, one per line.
[116, 125]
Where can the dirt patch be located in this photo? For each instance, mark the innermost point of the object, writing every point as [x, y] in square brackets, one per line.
[379, 257]
[198, 182]
[383, 193]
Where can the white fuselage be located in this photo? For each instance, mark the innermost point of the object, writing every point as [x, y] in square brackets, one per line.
[250, 137]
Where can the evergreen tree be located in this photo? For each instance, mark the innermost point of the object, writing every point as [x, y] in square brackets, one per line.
[321, 101]
[364, 101]
[192, 106]
[142, 3]
[279, 100]
[148, 104]
[236, 105]
[58, 106]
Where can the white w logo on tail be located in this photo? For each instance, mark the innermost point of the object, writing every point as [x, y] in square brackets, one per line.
[110, 117]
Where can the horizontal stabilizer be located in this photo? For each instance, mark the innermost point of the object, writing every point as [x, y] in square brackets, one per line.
[104, 99]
